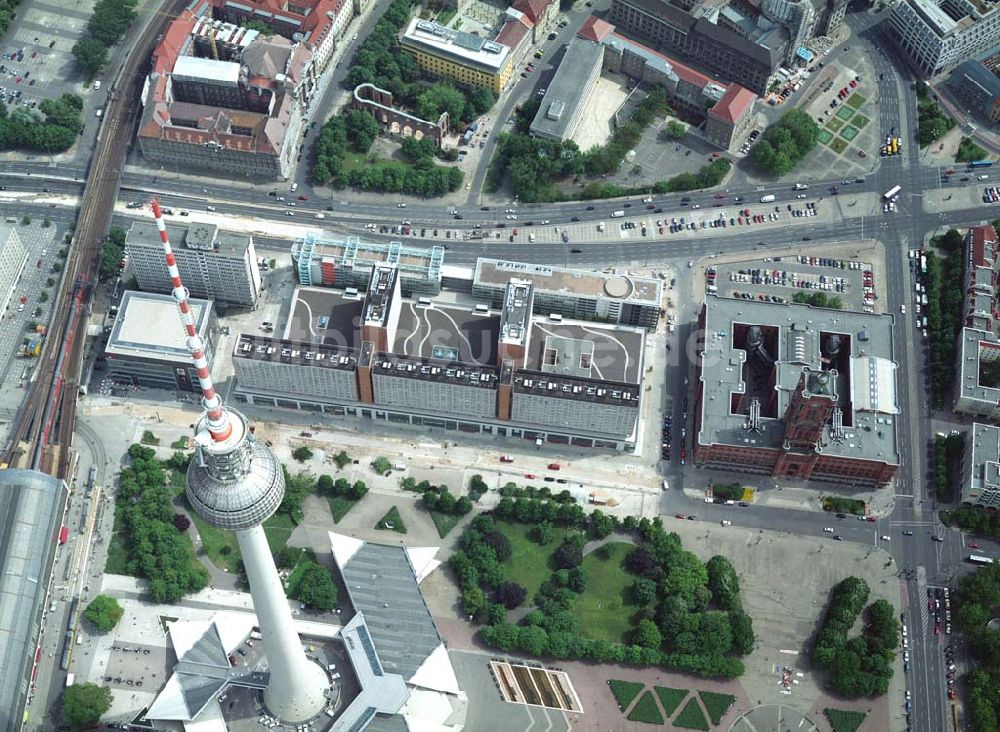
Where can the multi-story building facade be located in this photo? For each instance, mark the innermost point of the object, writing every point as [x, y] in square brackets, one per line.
[217, 266]
[143, 351]
[226, 99]
[937, 36]
[13, 258]
[452, 364]
[795, 391]
[981, 466]
[977, 87]
[978, 384]
[457, 55]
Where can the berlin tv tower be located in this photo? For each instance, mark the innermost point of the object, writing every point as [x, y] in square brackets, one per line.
[235, 483]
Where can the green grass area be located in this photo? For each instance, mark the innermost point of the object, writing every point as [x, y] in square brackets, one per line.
[117, 562]
[835, 124]
[691, 717]
[849, 132]
[624, 691]
[529, 564]
[603, 609]
[856, 100]
[355, 160]
[860, 121]
[392, 521]
[445, 16]
[219, 546]
[340, 506]
[278, 528]
[180, 443]
[842, 720]
[646, 710]
[444, 522]
[845, 112]
[844, 505]
[178, 482]
[716, 704]
[838, 145]
[670, 698]
[825, 137]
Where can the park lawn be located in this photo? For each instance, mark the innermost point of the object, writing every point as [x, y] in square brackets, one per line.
[845, 113]
[645, 710]
[860, 121]
[215, 541]
[181, 443]
[178, 481]
[393, 519]
[691, 716]
[670, 698]
[353, 160]
[835, 124]
[602, 609]
[624, 691]
[843, 720]
[825, 137]
[838, 145]
[340, 506]
[856, 100]
[716, 704]
[278, 529]
[849, 132]
[444, 522]
[529, 564]
[117, 561]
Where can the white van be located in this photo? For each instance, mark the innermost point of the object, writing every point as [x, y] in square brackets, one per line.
[320, 216]
[97, 85]
[295, 187]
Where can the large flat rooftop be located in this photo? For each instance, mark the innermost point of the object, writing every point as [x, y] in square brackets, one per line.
[196, 236]
[737, 368]
[149, 326]
[570, 282]
[459, 46]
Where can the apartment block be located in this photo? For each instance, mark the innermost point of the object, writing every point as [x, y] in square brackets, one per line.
[978, 368]
[937, 36]
[215, 265]
[463, 57]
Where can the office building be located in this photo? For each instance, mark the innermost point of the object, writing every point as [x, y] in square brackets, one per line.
[569, 91]
[226, 99]
[795, 391]
[978, 368]
[342, 263]
[981, 466]
[319, 24]
[463, 57]
[13, 258]
[147, 347]
[220, 266]
[978, 88]
[938, 36]
[623, 299]
[453, 364]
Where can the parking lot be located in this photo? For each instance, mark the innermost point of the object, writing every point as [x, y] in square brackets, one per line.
[779, 279]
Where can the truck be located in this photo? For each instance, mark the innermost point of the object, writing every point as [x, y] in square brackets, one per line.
[70, 677]
[600, 226]
[891, 193]
[801, 186]
[617, 214]
[767, 199]
[63, 535]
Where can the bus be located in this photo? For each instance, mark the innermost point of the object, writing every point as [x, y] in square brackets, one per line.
[63, 535]
[892, 193]
[981, 164]
[980, 559]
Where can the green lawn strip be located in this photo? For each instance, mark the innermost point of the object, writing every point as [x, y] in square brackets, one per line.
[529, 564]
[625, 691]
[178, 482]
[278, 528]
[645, 710]
[444, 522]
[691, 716]
[339, 506]
[603, 609]
[845, 113]
[860, 121]
[835, 124]
[117, 561]
[219, 546]
[838, 145]
[179, 444]
[856, 100]
[716, 704]
[392, 521]
[670, 698]
[849, 132]
[824, 137]
[844, 720]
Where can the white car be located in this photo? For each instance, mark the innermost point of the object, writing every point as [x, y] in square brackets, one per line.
[902, 309]
[886, 537]
[801, 195]
[828, 529]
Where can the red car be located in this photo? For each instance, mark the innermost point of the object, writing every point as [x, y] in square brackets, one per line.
[303, 197]
[683, 456]
[529, 476]
[680, 516]
[554, 466]
[937, 630]
[506, 459]
[973, 545]
[952, 694]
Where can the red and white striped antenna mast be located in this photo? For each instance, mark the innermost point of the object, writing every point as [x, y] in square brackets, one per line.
[218, 424]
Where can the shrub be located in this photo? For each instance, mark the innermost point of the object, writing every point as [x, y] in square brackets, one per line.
[624, 692]
[104, 612]
[670, 698]
[646, 710]
[843, 720]
[716, 704]
[691, 716]
[301, 454]
[182, 522]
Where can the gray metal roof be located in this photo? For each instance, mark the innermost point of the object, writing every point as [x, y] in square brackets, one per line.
[30, 506]
[383, 587]
[566, 91]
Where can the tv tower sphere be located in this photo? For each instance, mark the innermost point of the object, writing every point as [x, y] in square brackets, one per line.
[235, 483]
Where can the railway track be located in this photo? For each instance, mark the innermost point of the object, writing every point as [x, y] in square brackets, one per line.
[42, 432]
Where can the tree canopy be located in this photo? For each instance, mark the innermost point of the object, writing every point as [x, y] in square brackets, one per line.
[112, 251]
[104, 612]
[316, 588]
[785, 143]
[51, 128]
[83, 704]
[110, 21]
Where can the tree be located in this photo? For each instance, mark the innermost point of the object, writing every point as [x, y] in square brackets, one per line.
[104, 612]
[420, 149]
[674, 130]
[91, 55]
[510, 594]
[568, 555]
[342, 459]
[358, 490]
[111, 253]
[44, 297]
[481, 99]
[647, 635]
[381, 465]
[325, 485]
[83, 704]
[473, 601]
[542, 533]
[182, 522]
[302, 453]
[742, 631]
[362, 129]
[715, 634]
[643, 591]
[316, 588]
[640, 562]
[500, 544]
[602, 524]
[441, 97]
[723, 583]
[287, 557]
[463, 505]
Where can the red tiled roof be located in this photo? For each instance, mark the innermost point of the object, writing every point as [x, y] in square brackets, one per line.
[733, 104]
[984, 244]
[174, 40]
[595, 29]
[683, 72]
[534, 9]
[513, 32]
[319, 18]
